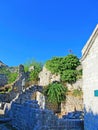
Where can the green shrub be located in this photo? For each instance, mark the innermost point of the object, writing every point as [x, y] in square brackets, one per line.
[55, 92]
[33, 74]
[65, 66]
[12, 77]
[5, 71]
[54, 64]
[69, 76]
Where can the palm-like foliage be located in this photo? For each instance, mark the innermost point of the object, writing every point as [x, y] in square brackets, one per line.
[55, 93]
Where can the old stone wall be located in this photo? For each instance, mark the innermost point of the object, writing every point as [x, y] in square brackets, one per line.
[29, 116]
[77, 85]
[35, 92]
[46, 77]
[17, 86]
[32, 92]
[72, 103]
[28, 93]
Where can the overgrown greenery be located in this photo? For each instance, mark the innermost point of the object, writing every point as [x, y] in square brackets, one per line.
[55, 93]
[54, 65]
[69, 76]
[4, 70]
[10, 75]
[65, 66]
[33, 74]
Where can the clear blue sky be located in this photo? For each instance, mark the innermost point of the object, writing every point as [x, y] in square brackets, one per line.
[41, 29]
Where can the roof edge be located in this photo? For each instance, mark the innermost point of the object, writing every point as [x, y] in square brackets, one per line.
[89, 43]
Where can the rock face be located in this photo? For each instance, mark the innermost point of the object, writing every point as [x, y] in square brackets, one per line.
[47, 77]
[3, 79]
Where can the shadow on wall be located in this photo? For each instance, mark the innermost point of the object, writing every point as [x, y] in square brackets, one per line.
[28, 116]
[90, 120]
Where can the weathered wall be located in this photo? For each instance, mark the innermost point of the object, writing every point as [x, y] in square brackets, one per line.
[72, 103]
[31, 93]
[90, 83]
[17, 86]
[28, 116]
[76, 85]
[46, 77]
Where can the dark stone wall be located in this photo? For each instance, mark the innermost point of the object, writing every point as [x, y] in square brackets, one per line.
[29, 116]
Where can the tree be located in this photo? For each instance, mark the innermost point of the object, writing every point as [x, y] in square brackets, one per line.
[65, 66]
[69, 76]
[54, 64]
[69, 62]
[55, 93]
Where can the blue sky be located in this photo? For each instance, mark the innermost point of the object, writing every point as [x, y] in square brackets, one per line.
[41, 29]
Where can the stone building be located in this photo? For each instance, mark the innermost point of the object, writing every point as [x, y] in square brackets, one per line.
[90, 81]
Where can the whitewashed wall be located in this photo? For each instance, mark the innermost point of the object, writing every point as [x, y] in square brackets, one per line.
[90, 83]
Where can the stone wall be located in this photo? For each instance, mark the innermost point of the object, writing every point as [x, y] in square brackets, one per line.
[46, 77]
[17, 86]
[72, 103]
[30, 93]
[77, 85]
[29, 116]
[35, 92]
